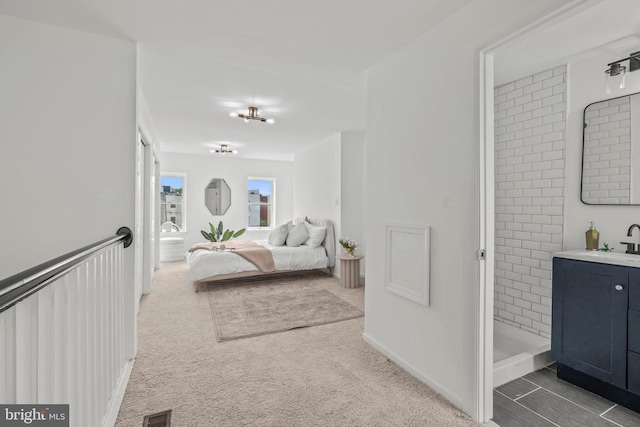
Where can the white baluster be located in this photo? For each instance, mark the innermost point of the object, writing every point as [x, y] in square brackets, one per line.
[61, 335]
[3, 358]
[101, 387]
[46, 345]
[7, 356]
[74, 391]
[117, 251]
[92, 367]
[83, 338]
[111, 307]
[26, 348]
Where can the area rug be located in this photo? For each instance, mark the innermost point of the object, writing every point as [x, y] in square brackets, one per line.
[252, 308]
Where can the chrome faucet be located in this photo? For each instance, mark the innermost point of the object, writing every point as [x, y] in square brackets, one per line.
[631, 247]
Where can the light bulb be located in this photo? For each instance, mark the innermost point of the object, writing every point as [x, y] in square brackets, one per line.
[246, 120]
[233, 114]
[271, 121]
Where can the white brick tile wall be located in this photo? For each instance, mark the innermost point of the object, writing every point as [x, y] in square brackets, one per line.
[530, 150]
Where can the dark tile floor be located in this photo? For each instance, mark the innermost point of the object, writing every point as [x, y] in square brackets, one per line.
[541, 399]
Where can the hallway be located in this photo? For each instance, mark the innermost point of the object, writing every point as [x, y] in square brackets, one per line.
[324, 375]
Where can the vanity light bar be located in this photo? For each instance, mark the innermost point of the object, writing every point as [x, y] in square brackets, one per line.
[616, 69]
[634, 63]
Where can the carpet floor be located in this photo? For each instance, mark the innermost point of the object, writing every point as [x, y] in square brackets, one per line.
[323, 375]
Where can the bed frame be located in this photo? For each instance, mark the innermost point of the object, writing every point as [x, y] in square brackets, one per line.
[329, 244]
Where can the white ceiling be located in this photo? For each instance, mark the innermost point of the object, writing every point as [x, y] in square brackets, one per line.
[302, 62]
[609, 27]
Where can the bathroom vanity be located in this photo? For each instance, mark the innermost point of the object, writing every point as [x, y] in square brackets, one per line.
[595, 335]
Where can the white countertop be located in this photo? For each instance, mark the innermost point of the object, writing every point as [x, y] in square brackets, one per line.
[615, 258]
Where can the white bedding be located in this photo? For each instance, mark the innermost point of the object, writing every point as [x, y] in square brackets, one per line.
[204, 264]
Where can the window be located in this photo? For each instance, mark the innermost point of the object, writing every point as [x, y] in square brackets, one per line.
[172, 202]
[261, 202]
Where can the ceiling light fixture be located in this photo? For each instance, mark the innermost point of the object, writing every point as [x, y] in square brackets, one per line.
[616, 68]
[224, 148]
[254, 114]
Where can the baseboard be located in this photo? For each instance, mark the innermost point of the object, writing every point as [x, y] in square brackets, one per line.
[110, 417]
[438, 388]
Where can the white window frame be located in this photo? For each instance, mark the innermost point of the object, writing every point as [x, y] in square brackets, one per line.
[184, 199]
[273, 202]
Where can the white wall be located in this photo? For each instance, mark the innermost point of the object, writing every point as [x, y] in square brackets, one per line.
[200, 169]
[422, 145]
[352, 188]
[316, 190]
[67, 141]
[586, 84]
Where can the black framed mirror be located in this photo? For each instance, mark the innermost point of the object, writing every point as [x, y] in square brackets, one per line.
[610, 149]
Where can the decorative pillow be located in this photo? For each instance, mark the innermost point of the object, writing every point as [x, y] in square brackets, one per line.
[279, 235]
[316, 235]
[297, 235]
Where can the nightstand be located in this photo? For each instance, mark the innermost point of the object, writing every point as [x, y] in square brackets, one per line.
[349, 270]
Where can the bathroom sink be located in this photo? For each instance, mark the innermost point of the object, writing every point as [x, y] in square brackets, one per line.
[617, 258]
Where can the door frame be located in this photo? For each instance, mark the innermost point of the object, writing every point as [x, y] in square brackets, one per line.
[146, 239]
[486, 183]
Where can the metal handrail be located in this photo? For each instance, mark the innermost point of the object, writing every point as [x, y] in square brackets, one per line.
[19, 286]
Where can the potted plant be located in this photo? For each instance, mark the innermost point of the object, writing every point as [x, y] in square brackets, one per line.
[217, 235]
[349, 245]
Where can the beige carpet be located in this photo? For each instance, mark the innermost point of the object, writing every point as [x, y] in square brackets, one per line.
[245, 309]
[320, 376]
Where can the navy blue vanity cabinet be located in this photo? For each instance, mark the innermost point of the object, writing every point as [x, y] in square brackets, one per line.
[633, 325]
[589, 319]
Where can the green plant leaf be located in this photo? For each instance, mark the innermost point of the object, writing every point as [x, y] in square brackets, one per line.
[239, 233]
[227, 234]
[206, 235]
[220, 228]
[213, 229]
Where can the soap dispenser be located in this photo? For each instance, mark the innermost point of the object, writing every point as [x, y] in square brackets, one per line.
[592, 238]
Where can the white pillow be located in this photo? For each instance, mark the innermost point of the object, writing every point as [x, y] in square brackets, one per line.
[297, 235]
[279, 235]
[297, 221]
[316, 235]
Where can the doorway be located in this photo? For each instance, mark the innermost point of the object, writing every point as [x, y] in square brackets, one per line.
[534, 53]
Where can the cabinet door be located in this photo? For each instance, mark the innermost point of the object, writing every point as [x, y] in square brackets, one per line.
[589, 318]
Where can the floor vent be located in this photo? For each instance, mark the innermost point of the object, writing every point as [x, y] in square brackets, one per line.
[161, 419]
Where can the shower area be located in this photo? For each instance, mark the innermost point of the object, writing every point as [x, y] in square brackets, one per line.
[530, 121]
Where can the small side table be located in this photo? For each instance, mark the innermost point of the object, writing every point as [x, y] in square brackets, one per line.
[349, 270]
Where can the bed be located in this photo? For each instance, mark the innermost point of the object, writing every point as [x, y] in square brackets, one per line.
[208, 266]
